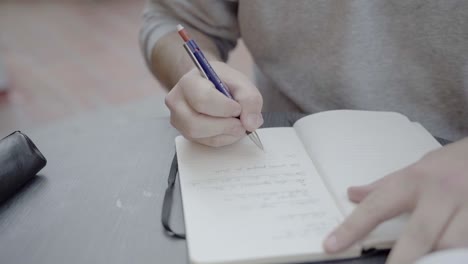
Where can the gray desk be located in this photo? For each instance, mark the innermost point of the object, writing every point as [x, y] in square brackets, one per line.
[99, 198]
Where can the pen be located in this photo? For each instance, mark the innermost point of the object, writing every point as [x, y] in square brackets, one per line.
[208, 72]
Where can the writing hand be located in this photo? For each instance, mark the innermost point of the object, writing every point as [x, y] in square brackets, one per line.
[434, 190]
[204, 115]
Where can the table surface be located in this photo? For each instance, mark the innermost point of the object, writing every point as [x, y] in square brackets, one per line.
[99, 198]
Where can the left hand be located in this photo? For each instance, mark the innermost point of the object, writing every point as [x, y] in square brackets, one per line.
[434, 189]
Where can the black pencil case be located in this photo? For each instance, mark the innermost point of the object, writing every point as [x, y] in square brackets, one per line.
[20, 160]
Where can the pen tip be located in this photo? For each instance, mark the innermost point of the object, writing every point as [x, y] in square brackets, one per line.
[261, 146]
[256, 139]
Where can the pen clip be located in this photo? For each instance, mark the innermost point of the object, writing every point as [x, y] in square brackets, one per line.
[195, 61]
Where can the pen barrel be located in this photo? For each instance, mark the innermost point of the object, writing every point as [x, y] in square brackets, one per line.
[210, 73]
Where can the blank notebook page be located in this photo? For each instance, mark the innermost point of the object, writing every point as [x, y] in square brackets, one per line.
[353, 148]
[245, 205]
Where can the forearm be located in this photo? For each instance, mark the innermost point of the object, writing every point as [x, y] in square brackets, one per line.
[169, 61]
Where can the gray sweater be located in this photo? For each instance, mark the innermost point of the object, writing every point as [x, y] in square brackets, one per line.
[408, 56]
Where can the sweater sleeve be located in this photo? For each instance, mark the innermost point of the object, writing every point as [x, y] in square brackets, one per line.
[215, 18]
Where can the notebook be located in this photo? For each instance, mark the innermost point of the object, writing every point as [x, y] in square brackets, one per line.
[245, 205]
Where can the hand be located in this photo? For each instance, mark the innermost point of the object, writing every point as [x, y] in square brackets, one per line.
[434, 189]
[203, 114]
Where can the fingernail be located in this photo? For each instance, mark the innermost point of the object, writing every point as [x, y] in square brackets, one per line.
[331, 243]
[254, 120]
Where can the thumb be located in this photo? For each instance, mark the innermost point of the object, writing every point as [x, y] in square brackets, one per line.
[245, 93]
[251, 116]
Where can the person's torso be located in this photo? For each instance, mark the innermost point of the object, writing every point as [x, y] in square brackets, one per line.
[391, 55]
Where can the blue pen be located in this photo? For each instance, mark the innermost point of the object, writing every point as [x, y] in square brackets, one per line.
[207, 71]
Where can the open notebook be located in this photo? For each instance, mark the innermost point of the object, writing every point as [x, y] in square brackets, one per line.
[243, 205]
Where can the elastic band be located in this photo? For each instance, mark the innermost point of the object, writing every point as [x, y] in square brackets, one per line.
[167, 202]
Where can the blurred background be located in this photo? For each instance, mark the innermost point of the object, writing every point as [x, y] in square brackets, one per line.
[69, 58]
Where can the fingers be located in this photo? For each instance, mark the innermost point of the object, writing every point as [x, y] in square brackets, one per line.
[426, 224]
[246, 94]
[357, 193]
[218, 141]
[385, 202]
[194, 125]
[203, 114]
[456, 233]
[202, 96]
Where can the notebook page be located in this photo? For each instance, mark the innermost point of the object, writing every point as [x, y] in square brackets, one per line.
[357, 147]
[245, 205]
